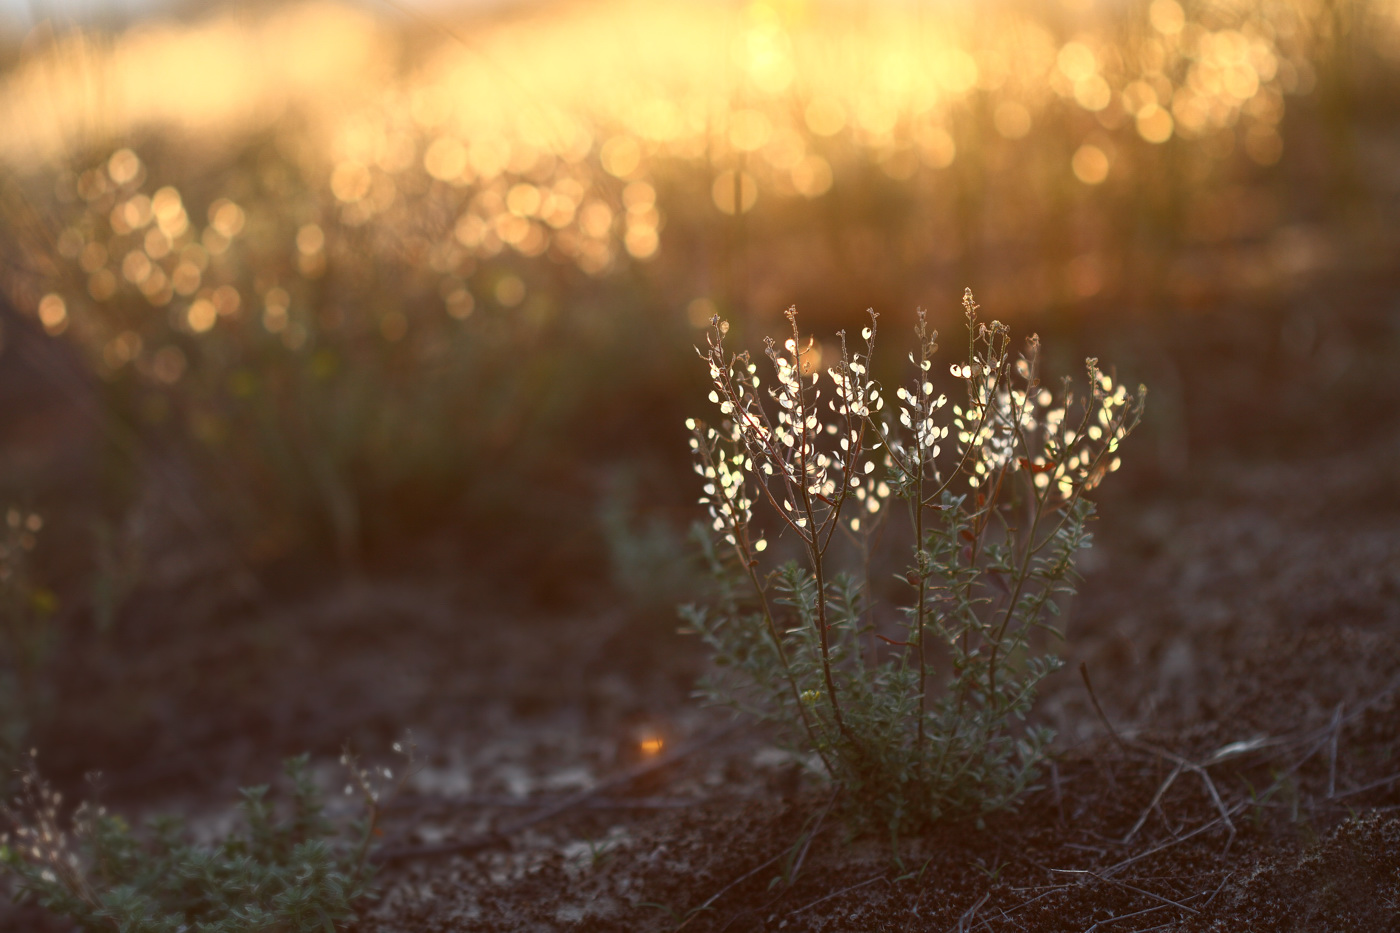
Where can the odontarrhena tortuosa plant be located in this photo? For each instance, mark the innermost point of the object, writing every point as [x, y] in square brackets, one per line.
[918, 712]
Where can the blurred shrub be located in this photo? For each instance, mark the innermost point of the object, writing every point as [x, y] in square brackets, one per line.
[648, 559]
[330, 375]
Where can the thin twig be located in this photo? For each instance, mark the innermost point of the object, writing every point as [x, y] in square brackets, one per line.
[1217, 890]
[691, 915]
[854, 887]
[791, 873]
[1374, 785]
[1027, 903]
[1165, 901]
[1094, 699]
[1136, 913]
[1161, 926]
[1151, 749]
[1146, 893]
[1156, 798]
[807, 844]
[1204, 827]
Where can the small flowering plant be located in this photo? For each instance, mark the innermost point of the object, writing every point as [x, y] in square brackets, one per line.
[915, 712]
[289, 869]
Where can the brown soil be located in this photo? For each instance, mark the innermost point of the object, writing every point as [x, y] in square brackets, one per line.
[1247, 622]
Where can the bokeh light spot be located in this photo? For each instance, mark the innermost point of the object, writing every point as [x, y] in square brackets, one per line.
[811, 177]
[201, 315]
[350, 182]
[620, 156]
[825, 116]
[123, 167]
[1090, 164]
[310, 239]
[1076, 61]
[460, 303]
[53, 313]
[1167, 16]
[510, 291]
[700, 312]
[1012, 119]
[445, 159]
[749, 130]
[1154, 124]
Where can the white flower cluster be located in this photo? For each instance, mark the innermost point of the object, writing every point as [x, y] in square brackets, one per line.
[34, 834]
[1080, 457]
[724, 466]
[812, 452]
[1009, 421]
[815, 451]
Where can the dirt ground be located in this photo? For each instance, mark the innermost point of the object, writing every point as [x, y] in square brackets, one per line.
[1239, 618]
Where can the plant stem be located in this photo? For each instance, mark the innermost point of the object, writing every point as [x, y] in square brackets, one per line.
[812, 534]
[371, 824]
[1021, 573]
[782, 656]
[920, 562]
[919, 611]
[826, 644]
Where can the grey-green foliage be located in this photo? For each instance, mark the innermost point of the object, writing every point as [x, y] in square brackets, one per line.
[289, 872]
[916, 713]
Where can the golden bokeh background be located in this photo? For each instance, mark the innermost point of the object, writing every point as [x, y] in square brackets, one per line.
[556, 124]
[355, 223]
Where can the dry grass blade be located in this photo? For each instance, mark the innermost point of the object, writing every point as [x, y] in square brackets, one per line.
[969, 915]
[1204, 827]
[1085, 873]
[1374, 785]
[807, 843]
[1150, 749]
[1144, 892]
[1156, 799]
[710, 901]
